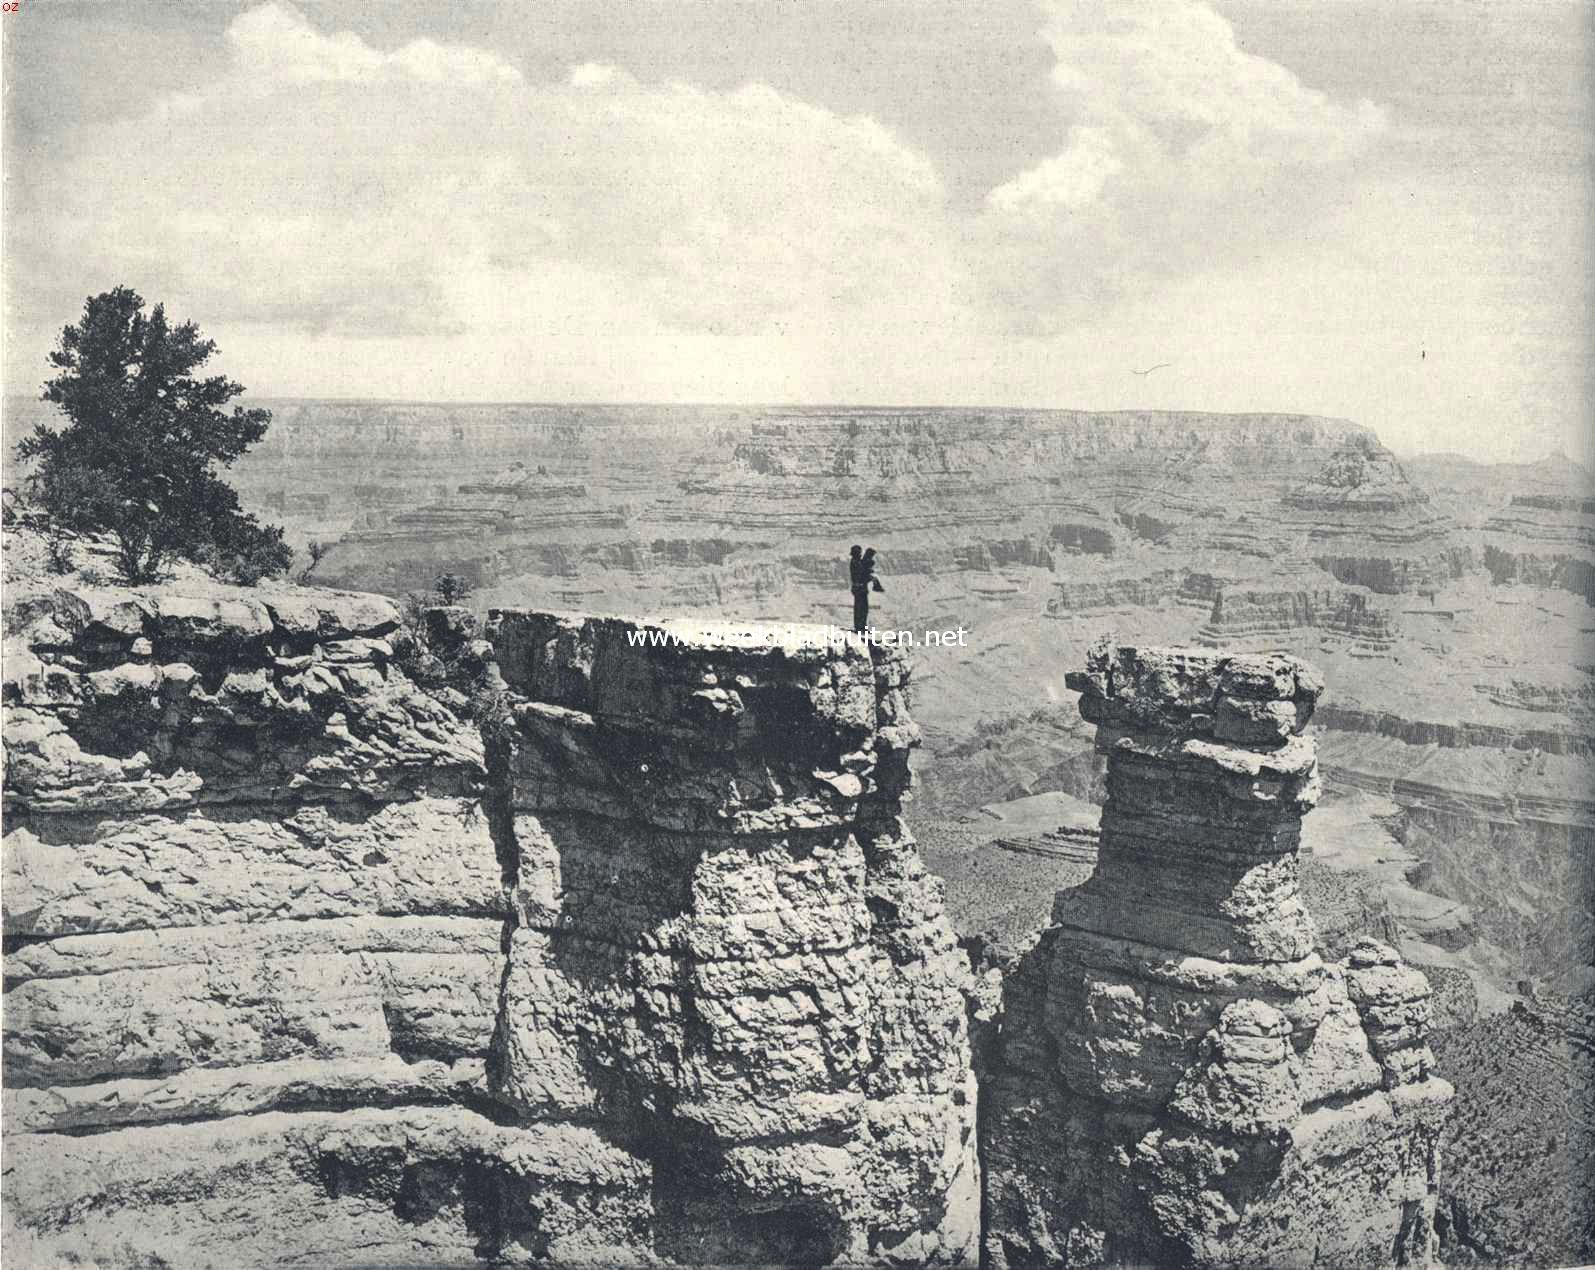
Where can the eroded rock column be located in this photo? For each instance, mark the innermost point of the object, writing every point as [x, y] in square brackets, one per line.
[1181, 1078]
[727, 956]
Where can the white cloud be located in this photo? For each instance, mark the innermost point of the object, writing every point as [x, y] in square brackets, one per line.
[1185, 150]
[593, 75]
[1069, 181]
[427, 221]
[274, 43]
[329, 185]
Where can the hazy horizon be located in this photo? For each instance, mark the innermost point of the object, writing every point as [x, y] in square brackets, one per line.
[1400, 452]
[1378, 212]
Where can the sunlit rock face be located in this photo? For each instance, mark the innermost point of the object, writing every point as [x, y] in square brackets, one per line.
[629, 958]
[254, 921]
[726, 952]
[1180, 1077]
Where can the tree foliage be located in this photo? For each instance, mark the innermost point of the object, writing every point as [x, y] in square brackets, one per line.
[144, 437]
[451, 588]
[315, 549]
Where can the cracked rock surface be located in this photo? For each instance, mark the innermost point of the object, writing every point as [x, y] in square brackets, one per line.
[306, 967]
[1180, 1078]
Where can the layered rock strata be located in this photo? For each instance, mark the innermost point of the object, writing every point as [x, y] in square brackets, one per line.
[1369, 526]
[630, 959]
[1181, 1078]
[938, 491]
[1073, 595]
[253, 920]
[1544, 540]
[726, 950]
[1262, 617]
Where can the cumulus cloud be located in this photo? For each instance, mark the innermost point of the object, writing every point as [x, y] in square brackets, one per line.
[1183, 151]
[273, 44]
[323, 183]
[320, 187]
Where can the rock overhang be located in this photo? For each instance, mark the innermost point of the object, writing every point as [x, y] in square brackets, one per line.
[1251, 700]
[686, 724]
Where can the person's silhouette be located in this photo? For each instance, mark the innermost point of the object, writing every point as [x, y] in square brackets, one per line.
[861, 574]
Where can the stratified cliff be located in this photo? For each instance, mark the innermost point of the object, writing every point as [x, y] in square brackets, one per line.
[631, 960]
[1268, 617]
[1180, 1077]
[726, 952]
[1544, 540]
[1368, 525]
[254, 921]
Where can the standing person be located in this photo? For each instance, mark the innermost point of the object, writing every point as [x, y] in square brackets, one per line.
[860, 588]
[861, 571]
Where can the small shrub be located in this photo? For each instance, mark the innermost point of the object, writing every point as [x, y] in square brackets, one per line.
[315, 549]
[451, 588]
[59, 552]
[491, 709]
[412, 649]
[412, 614]
[259, 559]
[247, 564]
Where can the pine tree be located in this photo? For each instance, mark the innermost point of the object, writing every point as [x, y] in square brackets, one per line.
[143, 439]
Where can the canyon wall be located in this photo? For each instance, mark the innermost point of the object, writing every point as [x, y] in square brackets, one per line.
[595, 941]
[254, 919]
[1545, 540]
[670, 494]
[619, 953]
[725, 948]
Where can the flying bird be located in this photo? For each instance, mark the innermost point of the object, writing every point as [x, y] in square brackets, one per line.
[1150, 369]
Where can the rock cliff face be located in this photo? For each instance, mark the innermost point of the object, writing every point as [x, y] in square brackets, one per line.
[304, 966]
[939, 491]
[1544, 540]
[254, 921]
[1181, 1078]
[1270, 617]
[990, 519]
[1368, 525]
[726, 952]
[1118, 590]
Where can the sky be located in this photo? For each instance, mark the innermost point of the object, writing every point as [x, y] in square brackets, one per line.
[1371, 209]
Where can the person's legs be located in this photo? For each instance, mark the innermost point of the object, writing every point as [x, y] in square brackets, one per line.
[860, 610]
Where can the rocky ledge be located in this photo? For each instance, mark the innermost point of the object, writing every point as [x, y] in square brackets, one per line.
[619, 953]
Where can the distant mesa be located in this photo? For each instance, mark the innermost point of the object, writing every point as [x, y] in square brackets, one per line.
[1368, 525]
[1362, 476]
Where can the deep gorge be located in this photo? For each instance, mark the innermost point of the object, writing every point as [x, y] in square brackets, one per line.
[594, 952]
